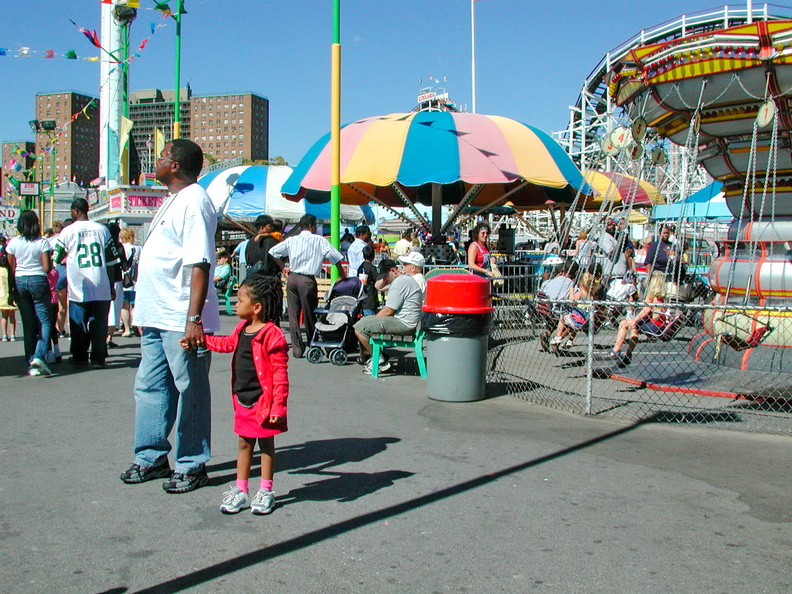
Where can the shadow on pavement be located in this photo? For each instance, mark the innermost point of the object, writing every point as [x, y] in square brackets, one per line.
[312, 457]
[218, 570]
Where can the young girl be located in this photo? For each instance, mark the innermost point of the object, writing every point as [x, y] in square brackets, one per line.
[260, 387]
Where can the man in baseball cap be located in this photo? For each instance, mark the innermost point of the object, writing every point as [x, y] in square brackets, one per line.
[413, 264]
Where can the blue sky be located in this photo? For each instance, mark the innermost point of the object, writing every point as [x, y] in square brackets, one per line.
[531, 56]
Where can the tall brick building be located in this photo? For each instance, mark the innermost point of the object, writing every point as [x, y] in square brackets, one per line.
[77, 147]
[225, 126]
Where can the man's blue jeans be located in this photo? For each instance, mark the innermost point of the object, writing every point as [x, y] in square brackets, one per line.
[172, 388]
[35, 308]
[88, 327]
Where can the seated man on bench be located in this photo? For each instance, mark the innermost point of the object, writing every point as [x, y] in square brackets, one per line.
[400, 315]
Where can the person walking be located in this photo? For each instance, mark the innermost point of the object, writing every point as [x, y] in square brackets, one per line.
[132, 256]
[173, 302]
[90, 273]
[30, 260]
[7, 306]
[259, 388]
[306, 253]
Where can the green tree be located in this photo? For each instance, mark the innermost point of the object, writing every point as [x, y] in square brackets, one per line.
[272, 161]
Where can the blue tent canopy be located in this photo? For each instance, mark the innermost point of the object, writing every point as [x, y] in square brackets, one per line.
[708, 204]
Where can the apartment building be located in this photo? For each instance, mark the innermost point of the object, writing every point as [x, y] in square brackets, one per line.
[76, 143]
[225, 126]
[9, 151]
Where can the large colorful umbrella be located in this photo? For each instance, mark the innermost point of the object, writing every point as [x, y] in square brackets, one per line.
[620, 187]
[242, 193]
[477, 159]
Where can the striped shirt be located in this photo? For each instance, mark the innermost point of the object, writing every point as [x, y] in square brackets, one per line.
[306, 252]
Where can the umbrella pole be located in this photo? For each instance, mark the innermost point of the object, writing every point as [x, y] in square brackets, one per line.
[335, 135]
[437, 211]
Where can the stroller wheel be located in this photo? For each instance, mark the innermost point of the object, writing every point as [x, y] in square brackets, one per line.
[314, 355]
[338, 357]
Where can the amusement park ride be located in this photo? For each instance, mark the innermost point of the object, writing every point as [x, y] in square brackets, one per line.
[719, 86]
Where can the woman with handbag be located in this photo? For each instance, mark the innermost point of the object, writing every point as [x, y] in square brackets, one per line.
[30, 258]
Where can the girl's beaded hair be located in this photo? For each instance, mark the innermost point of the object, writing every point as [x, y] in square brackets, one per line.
[267, 291]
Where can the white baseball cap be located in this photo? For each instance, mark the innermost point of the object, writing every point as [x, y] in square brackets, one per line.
[413, 258]
[553, 261]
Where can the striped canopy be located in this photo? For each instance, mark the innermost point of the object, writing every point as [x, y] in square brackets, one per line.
[406, 153]
[620, 187]
[242, 193]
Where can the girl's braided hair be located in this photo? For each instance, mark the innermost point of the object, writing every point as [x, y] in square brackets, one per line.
[267, 291]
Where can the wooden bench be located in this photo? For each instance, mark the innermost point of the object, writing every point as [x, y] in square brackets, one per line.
[414, 341]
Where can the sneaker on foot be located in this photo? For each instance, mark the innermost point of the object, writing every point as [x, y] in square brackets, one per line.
[34, 372]
[568, 344]
[263, 503]
[40, 365]
[140, 474]
[180, 482]
[97, 365]
[6, 339]
[383, 366]
[13, 339]
[234, 500]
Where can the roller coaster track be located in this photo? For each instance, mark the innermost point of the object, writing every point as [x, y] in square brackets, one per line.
[594, 114]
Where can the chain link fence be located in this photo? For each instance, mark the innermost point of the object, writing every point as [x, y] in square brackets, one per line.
[725, 366]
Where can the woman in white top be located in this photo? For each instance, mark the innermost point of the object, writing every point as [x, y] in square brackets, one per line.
[30, 258]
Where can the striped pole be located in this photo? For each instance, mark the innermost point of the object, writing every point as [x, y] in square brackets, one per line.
[335, 134]
[177, 70]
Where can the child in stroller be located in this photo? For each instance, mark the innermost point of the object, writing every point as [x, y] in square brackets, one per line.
[333, 330]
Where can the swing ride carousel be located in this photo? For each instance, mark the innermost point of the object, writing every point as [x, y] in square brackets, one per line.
[726, 95]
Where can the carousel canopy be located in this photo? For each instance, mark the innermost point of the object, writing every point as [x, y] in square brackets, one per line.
[620, 187]
[708, 204]
[247, 191]
[401, 155]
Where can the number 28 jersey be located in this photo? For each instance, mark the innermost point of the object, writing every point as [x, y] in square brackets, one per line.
[91, 250]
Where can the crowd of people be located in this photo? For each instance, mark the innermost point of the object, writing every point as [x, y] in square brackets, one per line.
[166, 292]
[608, 267]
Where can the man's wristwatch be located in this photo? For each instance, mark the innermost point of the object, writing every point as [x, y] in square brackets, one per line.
[195, 319]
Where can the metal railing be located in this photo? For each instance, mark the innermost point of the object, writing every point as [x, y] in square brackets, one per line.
[724, 366]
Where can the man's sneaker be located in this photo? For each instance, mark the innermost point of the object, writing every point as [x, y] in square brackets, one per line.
[184, 483]
[140, 474]
[41, 366]
[263, 503]
[98, 364]
[383, 366]
[234, 500]
[568, 344]
[34, 372]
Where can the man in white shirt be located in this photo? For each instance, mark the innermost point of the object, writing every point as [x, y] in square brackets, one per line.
[404, 245]
[173, 304]
[355, 251]
[306, 253]
[92, 254]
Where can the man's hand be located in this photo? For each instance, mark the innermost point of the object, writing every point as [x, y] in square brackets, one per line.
[274, 419]
[193, 336]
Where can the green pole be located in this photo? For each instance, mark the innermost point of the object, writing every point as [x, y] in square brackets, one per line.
[177, 70]
[335, 134]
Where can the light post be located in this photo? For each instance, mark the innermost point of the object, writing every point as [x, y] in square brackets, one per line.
[47, 127]
[124, 16]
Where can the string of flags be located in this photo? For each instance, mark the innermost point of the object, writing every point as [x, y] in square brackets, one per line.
[93, 37]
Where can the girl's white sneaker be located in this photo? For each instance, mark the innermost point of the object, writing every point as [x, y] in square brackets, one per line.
[263, 503]
[234, 500]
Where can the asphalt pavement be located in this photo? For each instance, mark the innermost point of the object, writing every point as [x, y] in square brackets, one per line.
[380, 489]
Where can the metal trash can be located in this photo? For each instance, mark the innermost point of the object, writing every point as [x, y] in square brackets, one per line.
[457, 320]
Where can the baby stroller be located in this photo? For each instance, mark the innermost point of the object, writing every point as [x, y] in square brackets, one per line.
[333, 330]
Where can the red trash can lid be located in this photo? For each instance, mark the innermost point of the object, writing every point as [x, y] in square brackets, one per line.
[458, 293]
